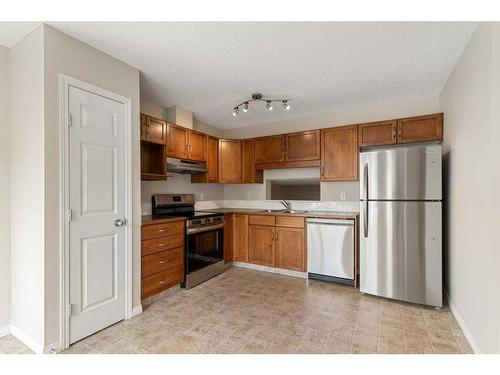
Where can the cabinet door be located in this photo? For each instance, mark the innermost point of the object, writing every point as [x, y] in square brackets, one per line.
[144, 127]
[157, 130]
[339, 153]
[249, 174]
[177, 142]
[377, 133]
[302, 146]
[269, 149]
[197, 146]
[421, 129]
[261, 245]
[228, 237]
[290, 246]
[212, 159]
[240, 238]
[229, 161]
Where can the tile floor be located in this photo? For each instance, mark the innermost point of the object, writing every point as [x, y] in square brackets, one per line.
[246, 311]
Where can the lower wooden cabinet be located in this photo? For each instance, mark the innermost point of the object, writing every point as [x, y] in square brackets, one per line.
[240, 238]
[228, 237]
[261, 245]
[290, 248]
[162, 261]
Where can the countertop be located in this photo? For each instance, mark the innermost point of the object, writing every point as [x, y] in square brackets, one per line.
[313, 214]
[150, 219]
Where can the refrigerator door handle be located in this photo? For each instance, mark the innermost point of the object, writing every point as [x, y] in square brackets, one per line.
[365, 181]
[365, 219]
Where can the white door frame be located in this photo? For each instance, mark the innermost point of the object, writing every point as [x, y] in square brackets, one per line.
[64, 84]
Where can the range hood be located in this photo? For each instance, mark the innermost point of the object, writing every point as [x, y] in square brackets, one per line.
[185, 166]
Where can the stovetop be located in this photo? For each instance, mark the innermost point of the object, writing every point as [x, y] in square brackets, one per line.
[188, 215]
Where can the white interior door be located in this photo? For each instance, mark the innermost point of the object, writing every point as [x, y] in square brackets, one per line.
[97, 201]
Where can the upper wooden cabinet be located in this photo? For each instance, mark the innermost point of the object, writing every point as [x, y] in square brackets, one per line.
[249, 174]
[407, 130]
[302, 146]
[229, 161]
[212, 174]
[339, 153]
[290, 150]
[153, 129]
[269, 149]
[186, 144]
[177, 141]
[378, 133]
[420, 128]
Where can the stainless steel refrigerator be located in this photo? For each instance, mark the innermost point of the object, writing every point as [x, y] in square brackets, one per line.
[400, 225]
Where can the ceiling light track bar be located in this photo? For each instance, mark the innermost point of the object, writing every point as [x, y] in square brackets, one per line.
[258, 97]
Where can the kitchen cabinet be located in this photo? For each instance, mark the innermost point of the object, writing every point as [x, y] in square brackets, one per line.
[261, 245]
[420, 128]
[186, 144]
[230, 161]
[228, 237]
[290, 248]
[249, 174]
[425, 128]
[339, 153]
[212, 174]
[240, 238]
[302, 146]
[153, 129]
[378, 133]
[162, 256]
[290, 150]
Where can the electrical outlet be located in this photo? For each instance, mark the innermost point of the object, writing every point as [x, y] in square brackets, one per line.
[342, 196]
[247, 196]
[202, 196]
[13, 297]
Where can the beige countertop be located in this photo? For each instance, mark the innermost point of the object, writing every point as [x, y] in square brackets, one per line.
[314, 214]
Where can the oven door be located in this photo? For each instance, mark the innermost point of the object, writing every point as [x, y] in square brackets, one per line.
[204, 248]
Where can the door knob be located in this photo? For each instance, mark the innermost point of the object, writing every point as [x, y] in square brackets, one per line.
[119, 223]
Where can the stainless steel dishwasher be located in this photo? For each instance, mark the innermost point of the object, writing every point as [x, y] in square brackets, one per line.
[330, 250]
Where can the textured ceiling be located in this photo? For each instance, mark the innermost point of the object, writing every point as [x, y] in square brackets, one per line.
[208, 68]
[13, 32]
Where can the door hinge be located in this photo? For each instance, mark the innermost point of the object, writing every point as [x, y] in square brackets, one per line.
[69, 215]
[70, 119]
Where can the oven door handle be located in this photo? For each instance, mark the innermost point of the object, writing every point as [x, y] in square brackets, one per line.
[204, 229]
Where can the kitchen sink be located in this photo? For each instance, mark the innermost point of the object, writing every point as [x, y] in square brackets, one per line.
[285, 211]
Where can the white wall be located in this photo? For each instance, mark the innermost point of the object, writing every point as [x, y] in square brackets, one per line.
[4, 191]
[26, 114]
[64, 54]
[471, 164]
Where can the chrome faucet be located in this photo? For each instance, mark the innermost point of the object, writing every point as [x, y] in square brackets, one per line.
[288, 205]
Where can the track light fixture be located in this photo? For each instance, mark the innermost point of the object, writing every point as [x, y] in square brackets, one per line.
[257, 97]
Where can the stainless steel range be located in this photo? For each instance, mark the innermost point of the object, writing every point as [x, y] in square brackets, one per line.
[204, 241]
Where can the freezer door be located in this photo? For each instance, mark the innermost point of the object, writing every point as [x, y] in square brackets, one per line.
[330, 247]
[401, 173]
[401, 251]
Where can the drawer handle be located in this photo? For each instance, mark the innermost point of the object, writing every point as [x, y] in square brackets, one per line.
[162, 230]
[162, 244]
[162, 282]
[162, 261]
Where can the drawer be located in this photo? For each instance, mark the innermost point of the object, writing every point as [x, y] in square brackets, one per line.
[261, 220]
[163, 261]
[163, 243]
[161, 281]
[160, 230]
[290, 221]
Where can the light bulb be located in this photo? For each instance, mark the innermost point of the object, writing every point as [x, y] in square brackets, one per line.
[245, 108]
[286, 105]
[235, 111]
[269, 106]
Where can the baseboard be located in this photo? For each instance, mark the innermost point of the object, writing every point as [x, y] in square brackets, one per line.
[26, 340]
[461, 323]
[136, 310]
[279, 271]
[53, 348]
[5, 330]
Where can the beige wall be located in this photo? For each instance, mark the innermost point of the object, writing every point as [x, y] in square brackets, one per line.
[67, 55]
[26, 114]
[4, 191]
[471, 165]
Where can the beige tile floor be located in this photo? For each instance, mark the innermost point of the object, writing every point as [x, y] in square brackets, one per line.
[246, 311]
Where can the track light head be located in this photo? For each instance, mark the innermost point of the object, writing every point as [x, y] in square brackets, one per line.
[269, 105]
[235, 111]
[245, 108]
[286, 105]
